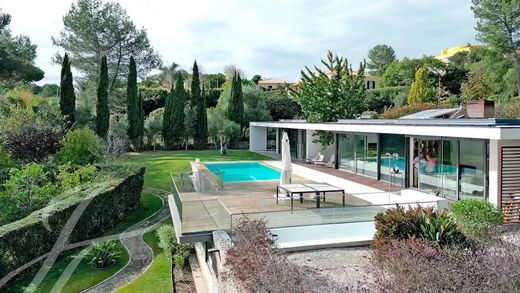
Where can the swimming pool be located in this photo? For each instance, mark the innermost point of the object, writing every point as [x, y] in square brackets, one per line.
[243, 171]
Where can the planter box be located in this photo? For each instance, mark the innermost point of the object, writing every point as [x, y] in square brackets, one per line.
[480, 109]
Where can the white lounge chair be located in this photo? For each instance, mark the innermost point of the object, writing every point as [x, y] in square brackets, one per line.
[319, 160]
[330, 163]
[315, 158]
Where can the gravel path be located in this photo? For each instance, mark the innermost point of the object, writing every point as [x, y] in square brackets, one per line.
[342, 266]
[141, 255]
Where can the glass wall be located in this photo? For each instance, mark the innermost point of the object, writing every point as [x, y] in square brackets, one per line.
[393, 158]
[346, 152]
[451, 168]
[297, 141]
[358, 153]
[472, 169]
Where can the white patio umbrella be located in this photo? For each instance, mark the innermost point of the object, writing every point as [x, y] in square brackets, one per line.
[286, 160]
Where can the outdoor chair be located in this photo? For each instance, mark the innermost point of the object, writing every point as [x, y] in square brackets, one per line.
[330, 163]
[320, 159]
[315, 158]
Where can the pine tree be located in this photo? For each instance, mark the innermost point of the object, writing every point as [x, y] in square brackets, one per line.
[67, 95]
[167, 131]
[201, 128]
[102, 111]
[132, 105]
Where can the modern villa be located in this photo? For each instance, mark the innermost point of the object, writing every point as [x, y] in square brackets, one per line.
[450, 158]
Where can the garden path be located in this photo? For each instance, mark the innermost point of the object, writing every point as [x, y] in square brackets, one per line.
[141, 255]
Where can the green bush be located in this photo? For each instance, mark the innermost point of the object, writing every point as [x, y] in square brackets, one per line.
[398, 112]
[424, 223]
[395, 223]
[27, 189]
[112, 198]
[175, 252]
[380, 99]
[103, 254]
[80, 147]
[70, 177]
[478, 219]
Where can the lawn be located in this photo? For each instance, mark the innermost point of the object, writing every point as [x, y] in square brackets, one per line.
[158, 277]
[84, 276]
[160, 164]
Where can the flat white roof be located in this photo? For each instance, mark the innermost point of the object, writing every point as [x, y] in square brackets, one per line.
[499, 129]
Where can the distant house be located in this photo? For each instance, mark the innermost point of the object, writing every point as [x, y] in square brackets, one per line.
[269, 84]
[449, 52]
[370, 80]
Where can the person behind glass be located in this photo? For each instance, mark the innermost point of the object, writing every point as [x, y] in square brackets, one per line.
[430, 163]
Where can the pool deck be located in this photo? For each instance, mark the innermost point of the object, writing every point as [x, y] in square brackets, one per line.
[207, 211]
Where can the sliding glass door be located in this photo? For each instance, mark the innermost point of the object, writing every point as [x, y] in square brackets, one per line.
[358, 153]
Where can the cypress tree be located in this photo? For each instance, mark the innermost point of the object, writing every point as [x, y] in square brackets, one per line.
[102, 111]
[132, 106]
[198, 103]
[179, 104]
[67, 95]
[167, 130]
[235, 110]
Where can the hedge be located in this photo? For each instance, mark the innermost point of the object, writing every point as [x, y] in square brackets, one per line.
[113, 197]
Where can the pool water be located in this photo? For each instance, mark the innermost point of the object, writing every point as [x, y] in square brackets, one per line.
[243, 171]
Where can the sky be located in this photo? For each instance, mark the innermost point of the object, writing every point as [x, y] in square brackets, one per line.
[273, 38]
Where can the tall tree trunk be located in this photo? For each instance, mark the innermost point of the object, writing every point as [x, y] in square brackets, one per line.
[516, 68]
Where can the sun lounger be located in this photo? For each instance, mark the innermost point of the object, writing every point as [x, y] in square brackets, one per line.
[319, 160]
[330, 163]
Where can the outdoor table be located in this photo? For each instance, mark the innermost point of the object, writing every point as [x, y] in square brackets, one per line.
[300, 189]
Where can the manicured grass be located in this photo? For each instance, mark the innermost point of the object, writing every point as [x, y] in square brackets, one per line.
[158, 277]
[160, 164]
[84, 276]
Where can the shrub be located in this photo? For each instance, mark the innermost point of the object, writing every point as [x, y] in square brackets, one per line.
[255, 264]
[80, 147]
[103, 254]
[508, 110]
[116, 142]
[281, 105]
[478, 219]
[70, 177]
[112, 199]
[175, 252]
[5, 159]
[380, 99]
[417, 266]
[153, 126]
[31, 137]
[27, 189]
[398, 112]
[425, 223]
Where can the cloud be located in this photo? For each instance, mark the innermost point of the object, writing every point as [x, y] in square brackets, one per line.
[270, 38]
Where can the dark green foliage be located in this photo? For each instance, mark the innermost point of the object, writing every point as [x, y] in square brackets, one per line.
[256, 78]
[380, 57]
[173, 121]
[67, 95]
[282, 106]
[478, 219]
[103, 254]
[212, 97]
[433, 226]
[402, 73]
[153, 98]
[30, 136]
[199, 103]
[175, 252]
[114, 196]
[235, 107]
[17, 55]
[80, 147]
[133, 102]
[380, 99]
[102, 111]
[216, 80]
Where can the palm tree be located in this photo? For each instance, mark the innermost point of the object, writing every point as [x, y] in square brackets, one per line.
[167, 75]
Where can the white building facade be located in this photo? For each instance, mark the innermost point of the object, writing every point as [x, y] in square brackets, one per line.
[451, 158]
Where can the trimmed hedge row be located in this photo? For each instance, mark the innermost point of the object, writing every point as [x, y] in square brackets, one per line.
[112, 199]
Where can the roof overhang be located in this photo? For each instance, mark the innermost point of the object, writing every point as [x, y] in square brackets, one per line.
[484, 131]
